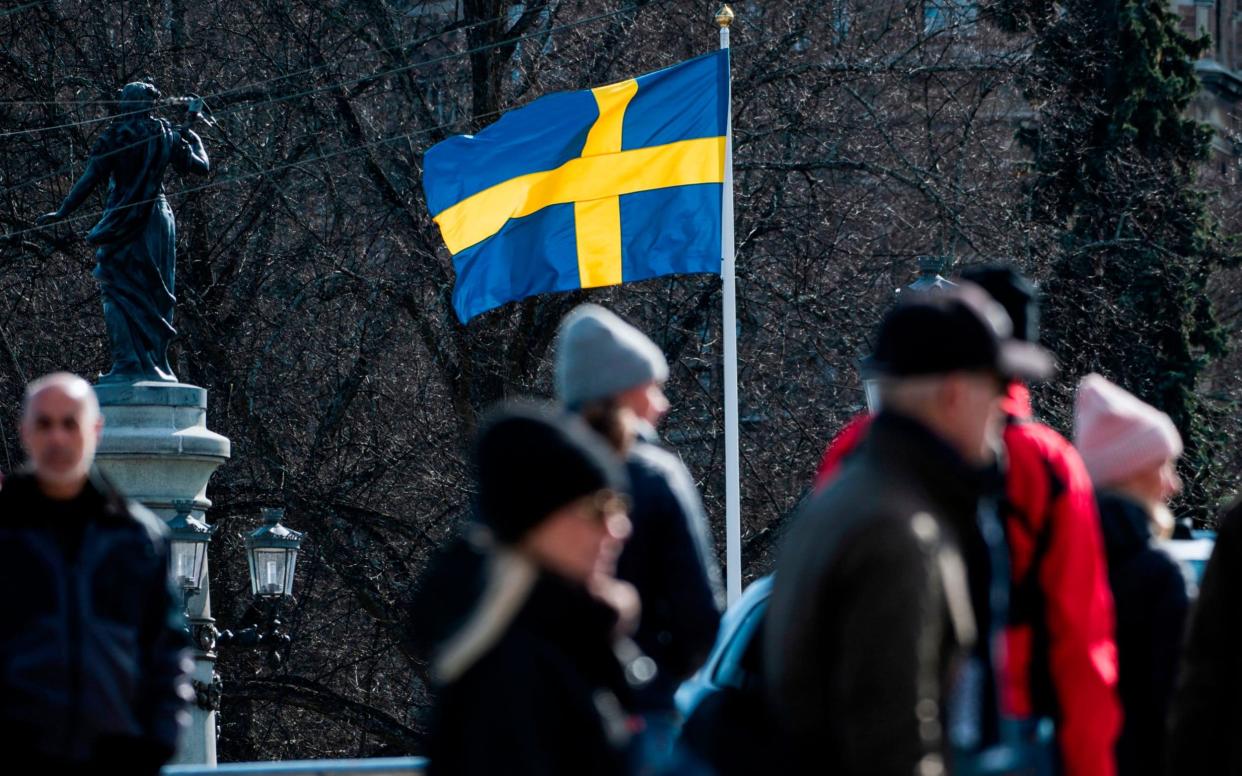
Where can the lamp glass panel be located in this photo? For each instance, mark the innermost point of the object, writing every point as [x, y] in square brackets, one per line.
[186, 561]
[293, 559]
[271, 568]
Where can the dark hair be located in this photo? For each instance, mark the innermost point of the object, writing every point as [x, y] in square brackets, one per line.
[606, 417]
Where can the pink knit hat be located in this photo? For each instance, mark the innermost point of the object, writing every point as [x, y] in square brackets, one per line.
[1117, 434]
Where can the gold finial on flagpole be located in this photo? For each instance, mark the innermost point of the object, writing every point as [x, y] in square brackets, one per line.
[724, 17]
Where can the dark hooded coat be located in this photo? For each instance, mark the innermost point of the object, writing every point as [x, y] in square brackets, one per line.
[870, 607]
[527, 678]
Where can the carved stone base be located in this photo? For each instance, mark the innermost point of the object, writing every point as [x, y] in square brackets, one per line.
[156, 446]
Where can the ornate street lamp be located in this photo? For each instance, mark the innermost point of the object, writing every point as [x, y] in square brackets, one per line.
[189, 539]
[273, 553]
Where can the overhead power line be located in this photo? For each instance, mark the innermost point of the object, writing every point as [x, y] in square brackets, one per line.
[454, 27]
[349, 82]
[291, 164]
[355, 80]
[20, 8]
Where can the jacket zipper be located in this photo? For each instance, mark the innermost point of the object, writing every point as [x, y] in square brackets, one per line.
[74, 630]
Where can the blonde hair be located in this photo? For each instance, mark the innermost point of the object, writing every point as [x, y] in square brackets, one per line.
[612, 421]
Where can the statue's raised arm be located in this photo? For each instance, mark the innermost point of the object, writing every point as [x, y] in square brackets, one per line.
[136, 237]
[195, 157]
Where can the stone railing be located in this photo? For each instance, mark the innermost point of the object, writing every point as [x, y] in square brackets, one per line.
[379, 766]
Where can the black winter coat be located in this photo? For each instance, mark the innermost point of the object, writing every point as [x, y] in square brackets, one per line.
[668, 560]
[870, 606]
[1149, 594]
[93, 666]
[527, 681]
[1206, 715]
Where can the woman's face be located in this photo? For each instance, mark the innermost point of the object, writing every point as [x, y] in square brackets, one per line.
[582, 538]
[1170, 483]
[1157, 484]
[647, 401]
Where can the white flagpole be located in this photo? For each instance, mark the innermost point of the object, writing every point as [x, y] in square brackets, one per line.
[733, 496]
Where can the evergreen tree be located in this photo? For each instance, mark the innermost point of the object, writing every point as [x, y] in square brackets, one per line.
[1116, 164]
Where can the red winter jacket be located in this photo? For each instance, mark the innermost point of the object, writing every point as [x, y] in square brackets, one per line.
[1051, 512]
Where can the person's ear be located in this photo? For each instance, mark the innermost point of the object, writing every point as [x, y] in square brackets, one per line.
[949, 392]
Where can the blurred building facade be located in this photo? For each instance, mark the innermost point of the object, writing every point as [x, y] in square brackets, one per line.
[1220, 69]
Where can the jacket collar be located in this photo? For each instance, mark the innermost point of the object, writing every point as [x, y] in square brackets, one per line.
[1126, 525]
[507, 584]
[513, 590]
[899, 441]
[647, 432]
[22, 486]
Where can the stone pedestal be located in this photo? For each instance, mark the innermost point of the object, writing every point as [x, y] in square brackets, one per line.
[157, 449]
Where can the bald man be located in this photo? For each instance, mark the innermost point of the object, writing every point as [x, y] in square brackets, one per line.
[93, 669]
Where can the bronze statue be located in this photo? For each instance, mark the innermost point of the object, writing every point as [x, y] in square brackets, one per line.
[136, 239]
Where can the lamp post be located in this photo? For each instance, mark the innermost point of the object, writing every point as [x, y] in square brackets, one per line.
[188, 541]
[930, 274]
[157, 450]
[272, 553]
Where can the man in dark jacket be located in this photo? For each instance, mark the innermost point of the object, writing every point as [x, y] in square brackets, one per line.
[521, 623]
[1060, 657]
[93, 670]
[1205, 717]
[612, 374]
[871, 602]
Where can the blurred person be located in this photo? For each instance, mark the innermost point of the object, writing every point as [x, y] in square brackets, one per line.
[1205, 716]
[612, 375]
[93, 666]
[1060, 656]
[521, 622]
[1130, 450]
[1059, 660]
[872, 606]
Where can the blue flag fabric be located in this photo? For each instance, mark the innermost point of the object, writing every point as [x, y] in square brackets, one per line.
[584, 189]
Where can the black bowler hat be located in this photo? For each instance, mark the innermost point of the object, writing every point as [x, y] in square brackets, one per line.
[954, 330]
[1015, 293]
[531, 460]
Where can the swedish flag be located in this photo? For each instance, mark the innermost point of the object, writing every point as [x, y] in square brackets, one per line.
[584, 189]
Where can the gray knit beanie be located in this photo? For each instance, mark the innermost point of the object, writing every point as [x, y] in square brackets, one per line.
[598, 355]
